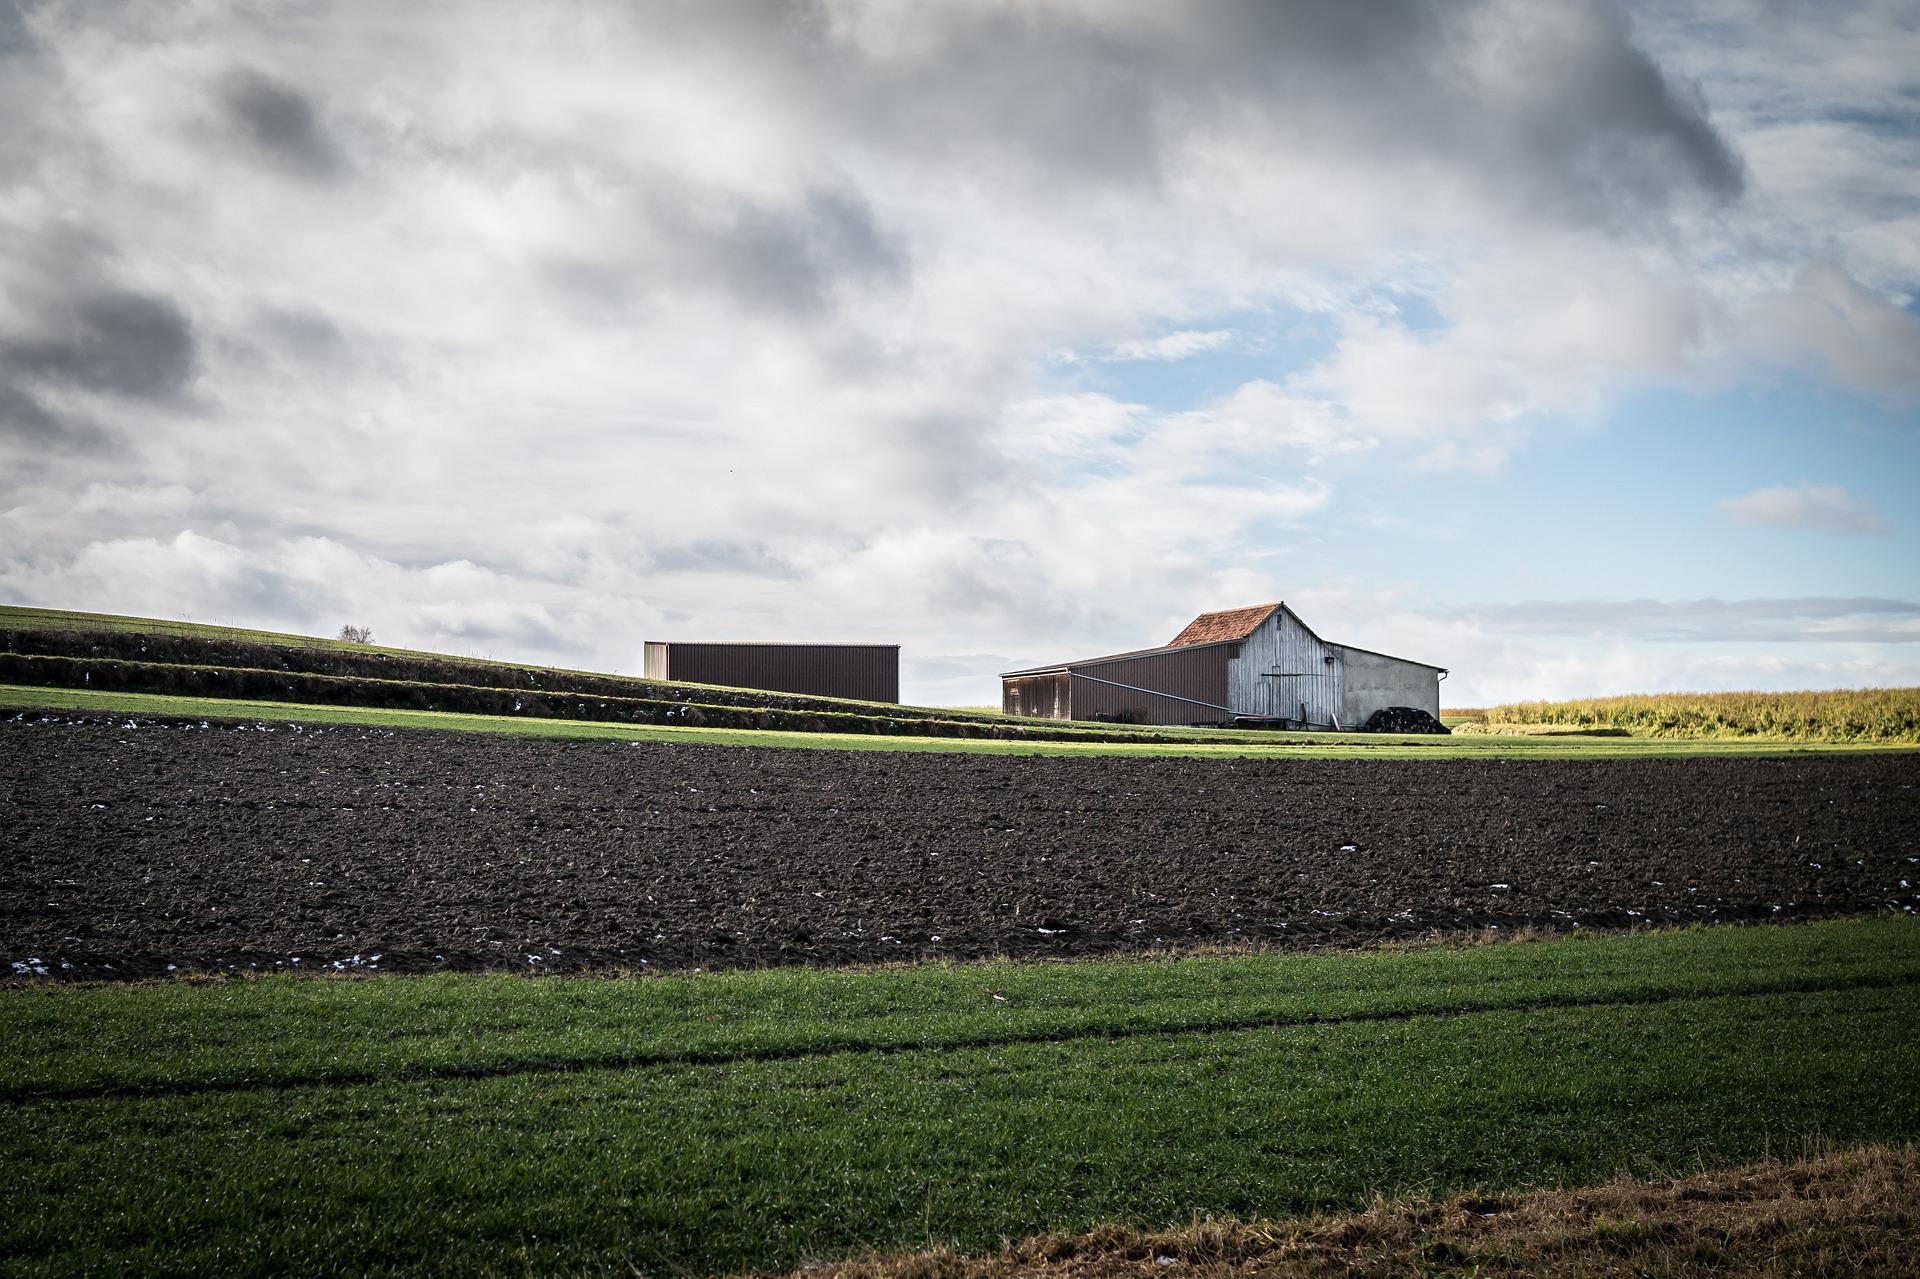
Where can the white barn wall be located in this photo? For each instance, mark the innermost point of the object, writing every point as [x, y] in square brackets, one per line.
[1283, 665]
[1375, 681]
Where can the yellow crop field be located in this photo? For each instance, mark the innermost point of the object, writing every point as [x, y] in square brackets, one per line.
[1837, 715]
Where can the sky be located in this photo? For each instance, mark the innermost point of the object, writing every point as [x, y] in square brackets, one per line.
[1572, 346]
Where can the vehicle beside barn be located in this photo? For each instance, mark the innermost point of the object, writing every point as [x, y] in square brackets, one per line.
[1256, 664]
[868, 672]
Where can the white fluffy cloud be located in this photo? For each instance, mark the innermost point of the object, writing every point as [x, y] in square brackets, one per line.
[538, 329]
[1827, 508]
[1177, 345]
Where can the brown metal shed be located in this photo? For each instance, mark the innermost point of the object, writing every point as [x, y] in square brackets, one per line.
[1178, 684]
[869, 672]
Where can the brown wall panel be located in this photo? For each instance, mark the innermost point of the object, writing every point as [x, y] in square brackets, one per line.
[870, 672]
[1196, 673]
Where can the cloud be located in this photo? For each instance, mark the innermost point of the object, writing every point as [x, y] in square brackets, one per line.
[279, 122]
[1177, 345]
[313, 585]
[93, 341]
[1820, 100]
[24, 417]
[117, 342]
[1827, 508]
[1829, 320]
[1564, 102]
[791, 258]
[1808, 620]
[740, 315]
[721, 558]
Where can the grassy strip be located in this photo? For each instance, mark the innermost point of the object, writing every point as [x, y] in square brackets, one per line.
[49, 633]
[374, 693]
[1850, 1212]
[713, 1168]
[288, 1031]
[1837, 715]
[24, 698]
[21, 617]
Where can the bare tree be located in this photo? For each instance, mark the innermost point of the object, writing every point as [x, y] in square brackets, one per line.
[356, 634]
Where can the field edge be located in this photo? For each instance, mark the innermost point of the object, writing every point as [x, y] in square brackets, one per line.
[21, 699]
[1830, 1210]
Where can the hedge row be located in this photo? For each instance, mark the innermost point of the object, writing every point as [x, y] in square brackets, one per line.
[389, 694]
[206, 651]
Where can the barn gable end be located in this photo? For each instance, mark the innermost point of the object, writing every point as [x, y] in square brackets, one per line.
[1285, 671]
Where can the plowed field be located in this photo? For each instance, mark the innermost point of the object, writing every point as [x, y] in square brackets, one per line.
[133, 850]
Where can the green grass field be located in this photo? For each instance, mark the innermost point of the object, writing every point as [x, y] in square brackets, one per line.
[718, 1122]
[1194, 744]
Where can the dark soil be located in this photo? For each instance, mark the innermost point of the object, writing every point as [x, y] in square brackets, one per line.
[167, 846]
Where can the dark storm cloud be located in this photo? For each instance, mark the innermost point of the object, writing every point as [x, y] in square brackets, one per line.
[1575, 115]
[279, 122]
[789, 259]
[14, 36]
[23, 417]
[113, 341]
[1615, 128]
[793, 259]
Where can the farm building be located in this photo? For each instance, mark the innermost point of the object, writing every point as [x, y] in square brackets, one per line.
[1259, 663]
[870, 672]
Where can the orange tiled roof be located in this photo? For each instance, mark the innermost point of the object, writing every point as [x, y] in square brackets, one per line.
[1228, 624]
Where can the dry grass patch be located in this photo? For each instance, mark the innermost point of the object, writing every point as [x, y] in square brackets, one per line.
[1838, 1213]
[1534, 730]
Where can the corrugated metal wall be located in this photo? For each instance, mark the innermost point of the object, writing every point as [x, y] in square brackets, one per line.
[870, 672]
[1283, 670]
[1044, 696]
[1199, 673]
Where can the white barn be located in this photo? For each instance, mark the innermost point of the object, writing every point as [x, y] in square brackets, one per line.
[1257, 663]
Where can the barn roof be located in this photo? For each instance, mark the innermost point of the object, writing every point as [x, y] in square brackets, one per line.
[1227, 624]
